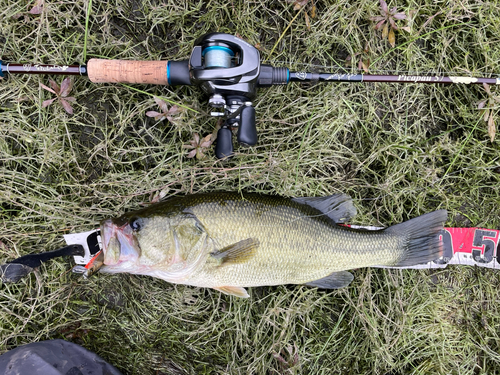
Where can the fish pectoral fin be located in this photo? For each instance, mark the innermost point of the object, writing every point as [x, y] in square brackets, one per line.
[233, 291]
[334, 281]
[238, 252]
[338, 207]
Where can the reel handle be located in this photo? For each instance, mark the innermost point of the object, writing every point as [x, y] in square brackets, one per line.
[143, 72]
[224, 145]
[247, 131]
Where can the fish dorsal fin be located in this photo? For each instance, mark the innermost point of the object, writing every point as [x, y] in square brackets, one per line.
[238, 252]
[335, 280]
[337, 207]
[233, 291]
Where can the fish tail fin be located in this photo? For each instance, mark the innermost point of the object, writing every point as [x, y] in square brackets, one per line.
[421, 238]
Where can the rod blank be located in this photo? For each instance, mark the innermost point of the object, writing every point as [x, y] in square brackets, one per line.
[431, 79]
[13, 68]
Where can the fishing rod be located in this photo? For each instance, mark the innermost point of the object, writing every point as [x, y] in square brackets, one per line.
[229, 71]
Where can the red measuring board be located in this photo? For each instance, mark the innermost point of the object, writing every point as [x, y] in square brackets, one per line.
[465, 246]
[473, 246]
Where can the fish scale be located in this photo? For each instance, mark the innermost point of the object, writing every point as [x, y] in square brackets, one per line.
[300, 248]
[234, 240]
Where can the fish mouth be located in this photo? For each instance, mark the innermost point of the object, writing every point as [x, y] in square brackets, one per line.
[118, 243]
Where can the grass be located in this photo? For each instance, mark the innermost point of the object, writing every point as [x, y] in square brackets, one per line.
[398, 150]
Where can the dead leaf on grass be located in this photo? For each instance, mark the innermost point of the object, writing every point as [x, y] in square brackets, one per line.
[308, 15]
[387, 22]
[488, 106]
[167, 113]
[61, 93]
[198, 147]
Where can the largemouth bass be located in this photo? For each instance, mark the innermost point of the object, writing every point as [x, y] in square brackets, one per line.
[229, 241]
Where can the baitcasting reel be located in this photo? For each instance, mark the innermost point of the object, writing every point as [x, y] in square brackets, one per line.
[228, 69]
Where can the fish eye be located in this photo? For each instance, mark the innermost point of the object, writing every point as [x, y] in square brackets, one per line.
[136, 223]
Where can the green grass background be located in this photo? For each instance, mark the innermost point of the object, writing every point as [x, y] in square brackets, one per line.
[398, 150]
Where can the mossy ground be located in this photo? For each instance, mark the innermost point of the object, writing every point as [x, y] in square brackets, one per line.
[398, 150]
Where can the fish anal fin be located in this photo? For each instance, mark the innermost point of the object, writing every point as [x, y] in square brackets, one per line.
[233, 291]
[338, 207]
[238, 252]
[335, 280]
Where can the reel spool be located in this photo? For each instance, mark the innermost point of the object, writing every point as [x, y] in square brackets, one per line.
[217, 57]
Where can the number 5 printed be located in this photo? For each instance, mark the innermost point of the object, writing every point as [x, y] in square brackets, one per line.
[486, 245]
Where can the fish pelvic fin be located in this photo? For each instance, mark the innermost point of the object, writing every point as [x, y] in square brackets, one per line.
[422, 243]
[238, 252]
[335, 280]
[233, 291]
[338, 207]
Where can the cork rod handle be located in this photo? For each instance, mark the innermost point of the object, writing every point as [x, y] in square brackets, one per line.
[127, 71]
